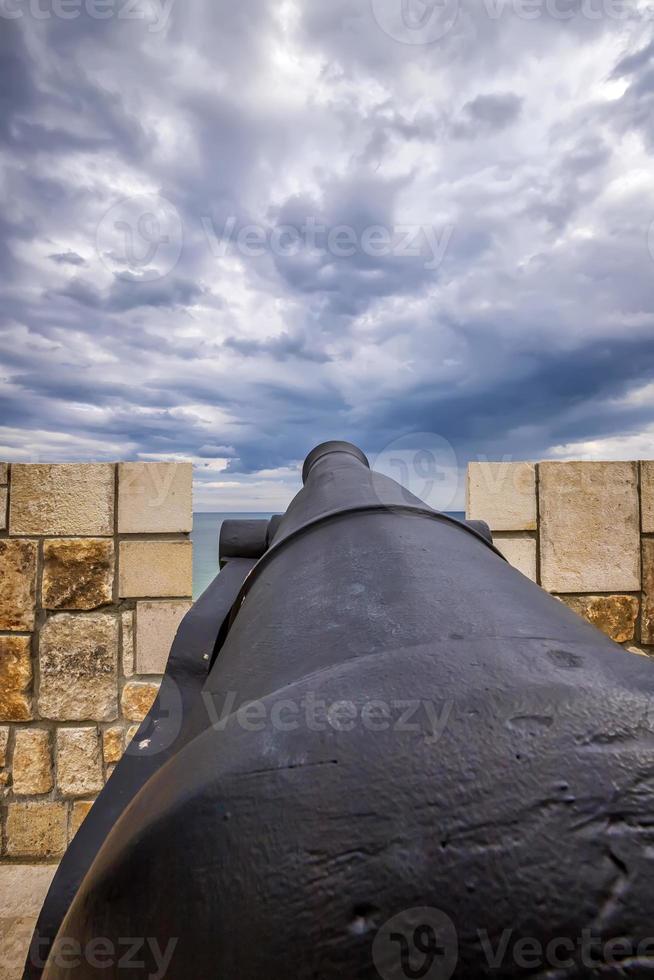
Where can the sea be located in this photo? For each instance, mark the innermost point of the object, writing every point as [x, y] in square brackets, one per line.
[206, 529]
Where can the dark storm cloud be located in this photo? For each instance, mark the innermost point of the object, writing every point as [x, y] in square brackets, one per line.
[503, 168]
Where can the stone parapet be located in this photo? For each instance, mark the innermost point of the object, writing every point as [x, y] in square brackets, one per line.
[582, 530]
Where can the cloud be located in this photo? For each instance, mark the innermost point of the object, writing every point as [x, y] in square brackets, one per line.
[505, 169]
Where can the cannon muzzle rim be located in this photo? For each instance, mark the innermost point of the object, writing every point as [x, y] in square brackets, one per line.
[334, 446]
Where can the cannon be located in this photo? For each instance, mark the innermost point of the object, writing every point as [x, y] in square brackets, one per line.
[378, 751]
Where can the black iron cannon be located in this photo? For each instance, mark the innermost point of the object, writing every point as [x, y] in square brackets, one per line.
[378, 751]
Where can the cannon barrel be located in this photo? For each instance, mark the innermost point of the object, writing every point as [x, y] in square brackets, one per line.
[389, 755]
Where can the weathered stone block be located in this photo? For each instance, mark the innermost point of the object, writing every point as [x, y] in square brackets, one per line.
[112, 744]
[647, 494]
[615, 615]
[23, 888]
[519, 551]
[78, 815]
[4, 741]
[17, 585]
[589, 531]
[32, 766]
[155, 497]
[3, 508]
[503, 495]
[137, 699]
[15, 678]
[149, 569]
[79, 762]
[36, 830]
[62, 498]
[78, 573]
[647, 622]
[127, 619]
[156, 625]
[78, 661]
[4, 472]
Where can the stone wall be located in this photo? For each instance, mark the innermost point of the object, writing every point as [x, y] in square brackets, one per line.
[95, 576]
[582, 530]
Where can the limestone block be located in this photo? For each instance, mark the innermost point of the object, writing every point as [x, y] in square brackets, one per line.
[62, 498]
[519, 551]
[17, 585]
[78, 661]
[79, 762]
[589, 529]
[78, 573]
[647, 494]
[647, 623]
[32, 766]
[112, 744]
[137, 699]
[3, 508]
[78, 814]
[149, 569]
[4, 472]
[503, 495]
[127, 619]
[4, 741]
[23, 888]
[156, 625]
[15, 678]
[615, 615]
[36, 830]
[110, 772]
[155, 497]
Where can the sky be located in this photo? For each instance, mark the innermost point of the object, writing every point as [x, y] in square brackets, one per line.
[230, 231]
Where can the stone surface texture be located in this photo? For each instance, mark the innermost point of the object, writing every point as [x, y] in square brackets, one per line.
[4, 472]
[78, 573]
[3, 508]
[18, 569]
[78, 658]
[503, 495]
[589, 527]
[156, 625]
[647, 495]
[127, 627]
[647, 624]
[62, 498]
[32, 765]
[79, 762]
[4, 742]
[150, 569]
[36, 830]
[15, 678]
[615, 615]
[23, 888]
[79, 811]
[112, 744]
[519, 551]
[154, 497]
[137, 699]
